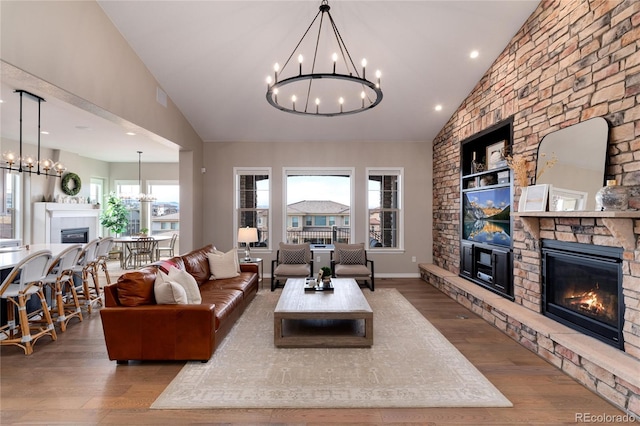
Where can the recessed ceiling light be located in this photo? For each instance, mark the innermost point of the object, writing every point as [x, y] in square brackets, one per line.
[474, 54]
[438, 108]
[1, 101]
[131, 134]
[44, 132]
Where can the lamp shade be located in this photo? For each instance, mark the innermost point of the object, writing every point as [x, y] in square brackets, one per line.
[247, 235]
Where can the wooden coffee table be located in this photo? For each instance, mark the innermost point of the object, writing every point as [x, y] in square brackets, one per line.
[322, 319]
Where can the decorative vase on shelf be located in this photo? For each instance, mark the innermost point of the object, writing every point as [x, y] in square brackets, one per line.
[612, 197]
[476, 166]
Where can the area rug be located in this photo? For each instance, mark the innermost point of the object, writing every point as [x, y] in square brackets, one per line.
[409, 365]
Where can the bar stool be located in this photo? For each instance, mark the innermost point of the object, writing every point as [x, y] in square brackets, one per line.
[87, 266]
[102, 256]
[25, 280]
[60, 279]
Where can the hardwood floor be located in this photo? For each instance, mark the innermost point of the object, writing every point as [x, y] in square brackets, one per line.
[71, 381]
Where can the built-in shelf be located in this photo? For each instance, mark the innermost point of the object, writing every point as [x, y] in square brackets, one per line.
[619, 223]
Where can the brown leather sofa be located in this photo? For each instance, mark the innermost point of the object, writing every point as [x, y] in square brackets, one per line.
[137, 328]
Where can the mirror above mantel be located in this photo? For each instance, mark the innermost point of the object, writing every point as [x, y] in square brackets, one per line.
[580, 154]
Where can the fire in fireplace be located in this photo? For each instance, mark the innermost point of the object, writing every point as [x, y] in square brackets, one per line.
[583, 288]
[74, 235]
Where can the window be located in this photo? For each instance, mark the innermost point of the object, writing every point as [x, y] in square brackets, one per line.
[129, 192]
[96, 191]
[323, 198]
[253, 200]
[294, 221]
[10, 215]
[165, 209]
[384, 198]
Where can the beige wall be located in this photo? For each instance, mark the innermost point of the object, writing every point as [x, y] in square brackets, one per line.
[77, 55]
[415, 158]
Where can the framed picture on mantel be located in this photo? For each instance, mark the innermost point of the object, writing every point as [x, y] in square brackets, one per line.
[534, 198]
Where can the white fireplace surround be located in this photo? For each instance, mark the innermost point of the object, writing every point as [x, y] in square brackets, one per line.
[50, 218]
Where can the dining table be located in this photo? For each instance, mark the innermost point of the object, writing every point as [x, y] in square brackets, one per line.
[129, 241]
[11, 256]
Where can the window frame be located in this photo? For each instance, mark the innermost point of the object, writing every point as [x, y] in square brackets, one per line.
[386, 171]
[317, 171]
[255, 171]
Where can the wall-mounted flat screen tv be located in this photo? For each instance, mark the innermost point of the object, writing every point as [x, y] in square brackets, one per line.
[486, 216]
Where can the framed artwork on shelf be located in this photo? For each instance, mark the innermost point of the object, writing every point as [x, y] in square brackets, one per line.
[534, 198]
[495, 155]
[566, 200]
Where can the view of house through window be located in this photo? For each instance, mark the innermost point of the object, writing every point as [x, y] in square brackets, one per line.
[164, 209]
[318, 207]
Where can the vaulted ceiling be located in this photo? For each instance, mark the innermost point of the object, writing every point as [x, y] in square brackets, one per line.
[212, 58]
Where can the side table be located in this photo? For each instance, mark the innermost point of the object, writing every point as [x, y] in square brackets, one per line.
[258, 261]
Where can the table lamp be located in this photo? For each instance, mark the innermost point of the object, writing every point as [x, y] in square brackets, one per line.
[247, 235]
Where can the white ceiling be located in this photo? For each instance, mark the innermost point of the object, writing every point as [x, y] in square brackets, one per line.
[212, 58]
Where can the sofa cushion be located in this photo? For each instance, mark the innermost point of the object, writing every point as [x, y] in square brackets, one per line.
[187, 282]
[196, 263]
[293, 257]
[352, 257]
[289, 249]
[242, 282]
[339, 248]
[351, 270]
[136, 288]
[288, 270]
[168, 292]
[223, 265]
[225, 300]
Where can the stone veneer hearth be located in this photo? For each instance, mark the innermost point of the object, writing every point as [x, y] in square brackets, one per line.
[570, 61]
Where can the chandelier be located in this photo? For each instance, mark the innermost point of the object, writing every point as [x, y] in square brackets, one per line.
[340, 90]
[27, 163]
[142, 196]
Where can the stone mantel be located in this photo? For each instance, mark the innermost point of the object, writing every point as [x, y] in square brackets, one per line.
[619, 223]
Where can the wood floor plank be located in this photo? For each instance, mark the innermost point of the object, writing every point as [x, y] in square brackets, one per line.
[98, 391]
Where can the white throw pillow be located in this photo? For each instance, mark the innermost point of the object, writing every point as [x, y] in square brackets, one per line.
[168, 292]
[188, 283]
[218, 252]
[225, 265]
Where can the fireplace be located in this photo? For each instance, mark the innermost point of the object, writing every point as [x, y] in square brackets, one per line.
[74, 235]
[582, 288]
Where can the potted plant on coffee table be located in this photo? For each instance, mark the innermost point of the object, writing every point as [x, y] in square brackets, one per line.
[326, 273]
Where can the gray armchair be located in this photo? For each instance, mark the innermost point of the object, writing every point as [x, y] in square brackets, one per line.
[350, 261]
[292, 261]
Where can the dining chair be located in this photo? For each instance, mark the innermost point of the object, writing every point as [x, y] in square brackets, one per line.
[25, 280]
[170, 249]
[83, 269]
[60, 279]
[143, 248]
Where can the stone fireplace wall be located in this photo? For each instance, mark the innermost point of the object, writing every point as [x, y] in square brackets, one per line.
[570, 61]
